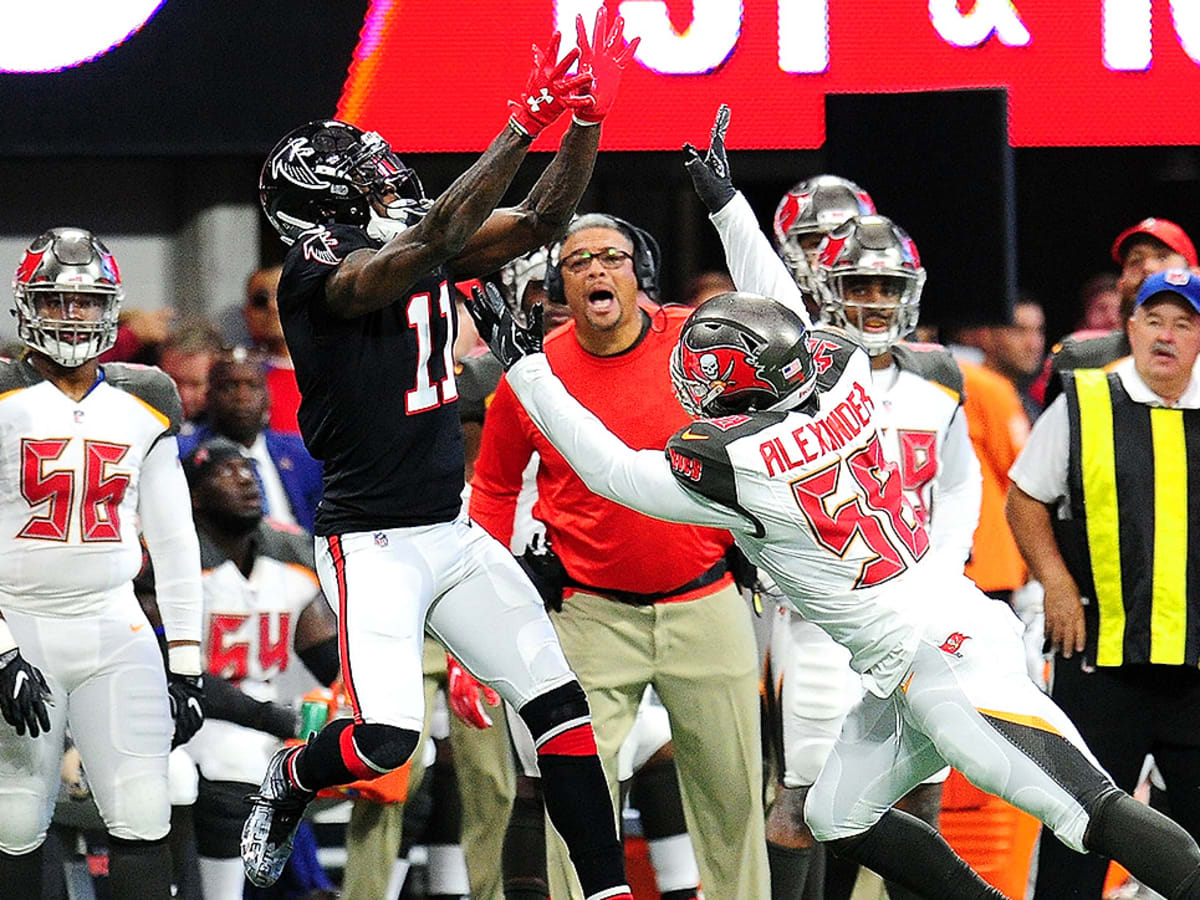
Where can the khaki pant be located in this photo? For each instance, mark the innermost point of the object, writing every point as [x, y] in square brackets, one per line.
[700, 655]
[484, 768]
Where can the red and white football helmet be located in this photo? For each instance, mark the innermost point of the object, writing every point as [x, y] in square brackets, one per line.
[870, 246]
[60, 263]
[742, 353]
[815, 206]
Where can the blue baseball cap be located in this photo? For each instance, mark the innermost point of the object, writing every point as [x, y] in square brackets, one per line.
[1182, 282]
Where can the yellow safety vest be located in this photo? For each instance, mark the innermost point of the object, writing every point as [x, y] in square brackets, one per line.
[1134, 484]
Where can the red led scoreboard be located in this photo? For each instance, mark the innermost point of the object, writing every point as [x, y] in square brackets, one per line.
[434, 75]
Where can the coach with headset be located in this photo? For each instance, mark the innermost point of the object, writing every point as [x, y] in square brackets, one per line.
[643, 601]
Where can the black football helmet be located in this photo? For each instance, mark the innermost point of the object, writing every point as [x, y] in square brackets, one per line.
[329, 171]
[741, 353]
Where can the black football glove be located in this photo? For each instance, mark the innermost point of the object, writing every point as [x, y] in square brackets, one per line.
[545, 570]
[187, 706]
[24, 694]
[508, 338]
[710, 172]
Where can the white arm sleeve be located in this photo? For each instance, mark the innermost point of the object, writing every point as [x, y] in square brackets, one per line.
[753, 263]
[1040, 470]
[638, 479]
[957, 493]
[165, 509]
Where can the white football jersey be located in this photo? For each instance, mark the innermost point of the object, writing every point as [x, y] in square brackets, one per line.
[924, 432]
[249, 630]
[809, 496]
[70, 474]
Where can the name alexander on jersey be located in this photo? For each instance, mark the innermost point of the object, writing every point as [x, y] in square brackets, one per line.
[821, 435]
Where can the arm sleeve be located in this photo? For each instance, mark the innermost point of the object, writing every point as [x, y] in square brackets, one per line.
[957, 493]
[165, 508]
[638, 479]
[224, 701]
[1041, 468]
[504, 451]
[753, 263]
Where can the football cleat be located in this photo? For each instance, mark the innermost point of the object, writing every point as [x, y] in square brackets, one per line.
[275, 814]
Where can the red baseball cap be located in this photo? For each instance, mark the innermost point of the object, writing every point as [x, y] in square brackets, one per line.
[1161, 229]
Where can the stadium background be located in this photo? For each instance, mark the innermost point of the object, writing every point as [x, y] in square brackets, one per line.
[156, 143]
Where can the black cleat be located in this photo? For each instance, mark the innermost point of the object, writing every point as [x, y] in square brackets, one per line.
[275, 814]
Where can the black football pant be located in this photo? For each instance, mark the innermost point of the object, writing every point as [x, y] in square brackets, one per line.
[1124, 714]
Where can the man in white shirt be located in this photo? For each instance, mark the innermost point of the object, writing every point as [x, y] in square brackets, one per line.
[1100, 509]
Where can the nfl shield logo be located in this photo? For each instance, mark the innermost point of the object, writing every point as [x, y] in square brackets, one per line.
[381, 539]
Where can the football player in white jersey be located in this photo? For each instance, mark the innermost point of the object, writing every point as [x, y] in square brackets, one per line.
[809, 211]
[869, 280]
[87, 453]
[264, 614]
[786, 454]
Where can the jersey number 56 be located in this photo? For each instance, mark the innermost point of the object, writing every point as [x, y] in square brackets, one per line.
[103, 491]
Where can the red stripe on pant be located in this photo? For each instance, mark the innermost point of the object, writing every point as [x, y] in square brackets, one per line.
[350, 758]
[339, 569]
[577, 741]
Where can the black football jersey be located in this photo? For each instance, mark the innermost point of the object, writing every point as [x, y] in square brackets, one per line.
[379, 402]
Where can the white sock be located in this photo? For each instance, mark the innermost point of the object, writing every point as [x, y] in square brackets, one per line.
[674, 863]
[448, 870]
[222, 879]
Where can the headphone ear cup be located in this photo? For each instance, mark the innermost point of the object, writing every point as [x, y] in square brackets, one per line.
[553, 284]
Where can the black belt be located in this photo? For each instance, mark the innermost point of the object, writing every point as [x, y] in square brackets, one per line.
[704, 579]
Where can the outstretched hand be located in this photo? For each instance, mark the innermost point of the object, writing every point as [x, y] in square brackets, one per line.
[549, 90]
[710, 172]
[604, 58]
[508, 339]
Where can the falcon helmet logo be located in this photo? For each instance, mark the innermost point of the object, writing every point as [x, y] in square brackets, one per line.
[318, 245]
[292, 165]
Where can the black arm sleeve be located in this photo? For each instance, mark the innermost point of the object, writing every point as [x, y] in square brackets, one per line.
[322, 660]
[224, 701]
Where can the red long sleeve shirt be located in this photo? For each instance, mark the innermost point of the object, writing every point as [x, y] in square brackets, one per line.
[599, 542]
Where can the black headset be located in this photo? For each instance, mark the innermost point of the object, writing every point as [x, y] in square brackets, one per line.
[647, 257]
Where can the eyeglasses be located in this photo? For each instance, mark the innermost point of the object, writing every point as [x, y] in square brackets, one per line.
[610, 258]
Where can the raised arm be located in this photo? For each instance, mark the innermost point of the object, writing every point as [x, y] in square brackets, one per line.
[368, 280]
[544, 214]
[753, 263]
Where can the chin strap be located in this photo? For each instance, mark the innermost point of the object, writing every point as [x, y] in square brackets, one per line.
[383, 229]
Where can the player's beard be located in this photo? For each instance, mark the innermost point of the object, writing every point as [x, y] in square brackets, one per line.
[235, 523]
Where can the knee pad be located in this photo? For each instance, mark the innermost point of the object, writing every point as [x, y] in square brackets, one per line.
[555, 711]
[383, 747]
[24, 819]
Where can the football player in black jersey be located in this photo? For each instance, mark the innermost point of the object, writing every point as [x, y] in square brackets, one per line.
[369, 321]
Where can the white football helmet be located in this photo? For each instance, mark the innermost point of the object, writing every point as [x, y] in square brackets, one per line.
[870, 246]
[815, 206]
[59, 265]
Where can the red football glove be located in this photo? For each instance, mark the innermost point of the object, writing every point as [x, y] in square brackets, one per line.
[465, 700]
[549, 92]
[604, 59]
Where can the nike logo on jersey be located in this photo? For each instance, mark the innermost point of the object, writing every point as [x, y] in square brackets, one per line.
[136, 627]
[21, 678]
[689, 435]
